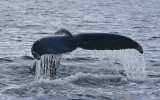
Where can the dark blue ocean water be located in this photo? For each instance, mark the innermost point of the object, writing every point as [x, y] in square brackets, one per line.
[82, 75]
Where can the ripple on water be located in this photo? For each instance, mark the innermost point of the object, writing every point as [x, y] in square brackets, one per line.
[27, 58]
[5, 60]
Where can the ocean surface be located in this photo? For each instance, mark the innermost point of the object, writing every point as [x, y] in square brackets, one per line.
[82, 74]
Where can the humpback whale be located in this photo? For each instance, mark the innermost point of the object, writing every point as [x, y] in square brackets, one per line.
[64, 42]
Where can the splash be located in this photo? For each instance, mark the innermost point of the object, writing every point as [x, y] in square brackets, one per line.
[46, 67]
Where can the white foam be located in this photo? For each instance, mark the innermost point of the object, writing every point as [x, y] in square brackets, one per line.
[70, 79]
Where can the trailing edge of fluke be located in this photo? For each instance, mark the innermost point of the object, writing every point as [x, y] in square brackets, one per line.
[66, 42]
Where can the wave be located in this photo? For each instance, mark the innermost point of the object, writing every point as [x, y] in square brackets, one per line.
[5, 60]
[27, 58]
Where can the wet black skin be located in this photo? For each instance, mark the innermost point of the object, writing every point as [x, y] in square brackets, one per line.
[53, 45]
[104, 41]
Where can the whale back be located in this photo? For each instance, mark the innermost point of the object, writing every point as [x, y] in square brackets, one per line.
[64, 32]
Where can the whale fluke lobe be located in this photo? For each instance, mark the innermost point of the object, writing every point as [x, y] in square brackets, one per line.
[54, 45]
[104, 41]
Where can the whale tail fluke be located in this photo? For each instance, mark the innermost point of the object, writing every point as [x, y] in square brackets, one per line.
[89, 41]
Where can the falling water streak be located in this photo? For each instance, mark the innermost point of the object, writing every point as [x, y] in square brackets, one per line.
[47, 66]
[134, 64]
[132, 61]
